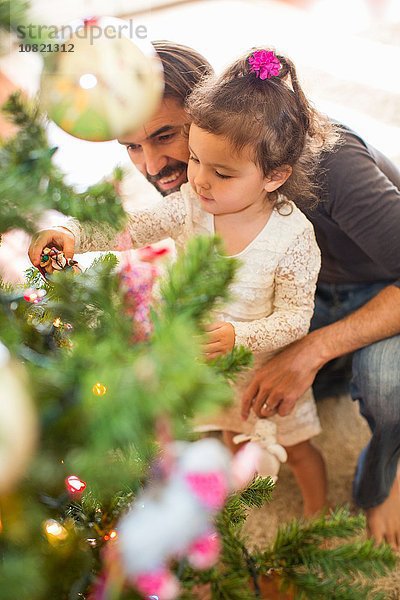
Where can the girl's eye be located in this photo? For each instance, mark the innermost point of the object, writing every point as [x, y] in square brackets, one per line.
[222, 176]
[193, 158]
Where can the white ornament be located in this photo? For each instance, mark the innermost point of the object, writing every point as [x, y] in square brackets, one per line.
[164, 521]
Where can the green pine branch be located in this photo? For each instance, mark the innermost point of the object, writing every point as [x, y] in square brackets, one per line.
[230, 365]
[31, 183]
[257, 493]
[197, 281]
[314, 572]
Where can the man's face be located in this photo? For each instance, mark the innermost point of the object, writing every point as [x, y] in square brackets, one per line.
[159, 149]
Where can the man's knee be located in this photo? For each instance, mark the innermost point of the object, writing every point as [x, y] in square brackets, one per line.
[376, 378]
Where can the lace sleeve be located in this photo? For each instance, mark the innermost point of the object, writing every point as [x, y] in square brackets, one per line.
[295, 281]
[165, 219]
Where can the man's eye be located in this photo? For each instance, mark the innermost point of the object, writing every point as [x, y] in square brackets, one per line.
[133, 147]
[165, 138]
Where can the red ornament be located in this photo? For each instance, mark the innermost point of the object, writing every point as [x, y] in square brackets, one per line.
[75, 485]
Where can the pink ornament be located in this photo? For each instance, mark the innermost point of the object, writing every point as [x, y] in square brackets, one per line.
[204, 552]
[137, 282]
[210, 488]
[265, 64]
[161, 583]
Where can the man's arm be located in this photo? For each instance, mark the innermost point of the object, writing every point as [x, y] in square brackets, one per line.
[290, 373]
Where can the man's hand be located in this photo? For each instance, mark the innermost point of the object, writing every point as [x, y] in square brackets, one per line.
[220, 339]
[276, 387]
[59, 237]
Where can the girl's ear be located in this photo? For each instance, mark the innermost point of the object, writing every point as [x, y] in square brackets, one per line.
[277, 178]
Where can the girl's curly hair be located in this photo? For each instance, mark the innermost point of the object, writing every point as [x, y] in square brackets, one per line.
[273, 118]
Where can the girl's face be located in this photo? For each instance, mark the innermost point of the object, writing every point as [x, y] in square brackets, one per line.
[226, 182]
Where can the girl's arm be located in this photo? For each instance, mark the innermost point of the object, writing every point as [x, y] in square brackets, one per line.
[165, 219]
[295, 282]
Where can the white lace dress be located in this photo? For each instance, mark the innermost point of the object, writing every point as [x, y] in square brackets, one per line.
[272, 295]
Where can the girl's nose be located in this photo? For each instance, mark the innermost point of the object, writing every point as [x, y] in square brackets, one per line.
[201, 181]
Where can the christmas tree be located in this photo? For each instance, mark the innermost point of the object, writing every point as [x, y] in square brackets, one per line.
[98, 499]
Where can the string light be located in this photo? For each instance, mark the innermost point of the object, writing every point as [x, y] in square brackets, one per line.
[75, 485]
[54, 531]
[99, 389]
[111, 535]
[34, 296]
[57, 322]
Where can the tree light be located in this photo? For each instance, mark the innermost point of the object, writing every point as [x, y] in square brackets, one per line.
[54, 531]
[99, 389]
[34, 296]
[75, 485]
[111, 535]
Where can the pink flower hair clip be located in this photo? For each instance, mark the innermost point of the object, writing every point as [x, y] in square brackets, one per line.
[265, 64]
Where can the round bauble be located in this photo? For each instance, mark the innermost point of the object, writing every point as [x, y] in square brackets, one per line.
[100, 84]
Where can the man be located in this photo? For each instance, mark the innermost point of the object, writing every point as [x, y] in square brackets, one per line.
[357, 310]
[159, 150]
[358, 229]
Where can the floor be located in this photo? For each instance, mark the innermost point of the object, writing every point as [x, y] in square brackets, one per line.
[343, 435]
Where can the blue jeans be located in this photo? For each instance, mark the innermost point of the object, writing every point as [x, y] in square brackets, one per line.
[372, 376]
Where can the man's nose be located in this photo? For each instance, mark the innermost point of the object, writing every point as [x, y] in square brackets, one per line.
[154, 160]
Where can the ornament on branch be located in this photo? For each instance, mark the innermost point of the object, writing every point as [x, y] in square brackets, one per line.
[137, 281]
[175, 518]
[103, 85]
[53, 260]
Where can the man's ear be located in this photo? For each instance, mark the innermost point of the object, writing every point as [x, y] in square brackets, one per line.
[277, 178]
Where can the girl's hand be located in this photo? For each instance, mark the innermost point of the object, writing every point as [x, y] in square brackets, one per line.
[60, 237]
[221, 339]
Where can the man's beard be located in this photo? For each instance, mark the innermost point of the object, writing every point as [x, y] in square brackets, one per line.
[166, 172]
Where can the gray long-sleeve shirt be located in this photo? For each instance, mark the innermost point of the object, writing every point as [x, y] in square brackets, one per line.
[357, 222]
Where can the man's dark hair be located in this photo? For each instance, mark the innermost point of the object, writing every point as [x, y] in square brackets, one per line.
[183, 69]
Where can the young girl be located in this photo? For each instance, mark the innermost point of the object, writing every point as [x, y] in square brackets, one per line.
[253, 142]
